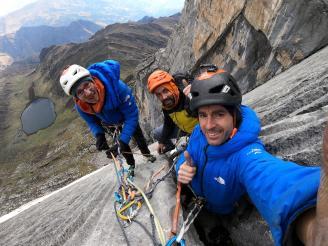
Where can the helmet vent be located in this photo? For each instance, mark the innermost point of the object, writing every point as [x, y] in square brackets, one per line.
[194, 94]
[216, 89]
[221, 89]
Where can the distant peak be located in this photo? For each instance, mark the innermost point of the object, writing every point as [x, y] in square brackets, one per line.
[146, 19]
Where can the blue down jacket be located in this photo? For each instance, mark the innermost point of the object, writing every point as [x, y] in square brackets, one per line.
[119, 106]
[280, 190]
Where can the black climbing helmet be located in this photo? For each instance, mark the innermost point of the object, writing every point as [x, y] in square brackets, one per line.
[214, 87]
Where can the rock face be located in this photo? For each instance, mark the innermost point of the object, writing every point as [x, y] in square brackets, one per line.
[83, 212]
[277, 51]
[254, 40]
[293, 107]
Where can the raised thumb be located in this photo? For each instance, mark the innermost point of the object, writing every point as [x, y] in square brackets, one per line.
[188, 158]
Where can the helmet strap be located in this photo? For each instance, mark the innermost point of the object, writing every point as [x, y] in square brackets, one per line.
[233, 132]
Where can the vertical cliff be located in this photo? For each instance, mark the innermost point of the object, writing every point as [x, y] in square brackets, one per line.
[277, 52]
[253, 39]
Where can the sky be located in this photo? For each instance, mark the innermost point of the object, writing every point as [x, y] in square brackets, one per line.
[8, 6]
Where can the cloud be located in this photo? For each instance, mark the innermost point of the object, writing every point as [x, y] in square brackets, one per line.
[12, 5]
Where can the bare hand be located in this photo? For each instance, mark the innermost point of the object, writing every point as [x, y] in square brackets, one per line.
[160, 148]
[186, 171]
[186, 90]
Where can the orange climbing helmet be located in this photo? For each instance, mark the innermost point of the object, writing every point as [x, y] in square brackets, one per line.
[158, 78]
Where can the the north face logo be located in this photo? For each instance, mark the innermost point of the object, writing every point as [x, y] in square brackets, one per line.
[220, 180]
[254, 151]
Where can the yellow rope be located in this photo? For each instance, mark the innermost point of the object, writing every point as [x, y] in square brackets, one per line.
[156, 220]
[124, 217]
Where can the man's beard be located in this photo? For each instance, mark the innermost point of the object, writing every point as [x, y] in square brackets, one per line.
[169, 103]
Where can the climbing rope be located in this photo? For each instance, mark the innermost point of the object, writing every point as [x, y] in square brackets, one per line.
[121, 226]
[150, 234]
[198, 205]
[175, 217]
[153, 184]
[126, 195]
[151, 210]
[114, 131]
[130, 196]
[153, 227]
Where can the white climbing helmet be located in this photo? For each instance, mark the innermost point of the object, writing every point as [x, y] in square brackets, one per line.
[71, 75]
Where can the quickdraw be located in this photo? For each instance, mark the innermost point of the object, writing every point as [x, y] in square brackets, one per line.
[126, 195]
[198, 205]
[129, 197]
[135, 205]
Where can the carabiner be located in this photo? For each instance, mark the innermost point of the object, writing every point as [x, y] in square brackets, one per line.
[174, 240]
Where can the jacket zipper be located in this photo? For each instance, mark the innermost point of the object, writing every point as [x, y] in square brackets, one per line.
[203, 169]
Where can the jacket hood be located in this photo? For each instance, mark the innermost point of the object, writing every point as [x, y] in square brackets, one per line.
[108, 72]
[247, 133]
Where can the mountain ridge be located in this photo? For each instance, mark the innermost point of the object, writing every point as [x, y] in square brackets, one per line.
[29, 41]
[62, 12]
[45, 159]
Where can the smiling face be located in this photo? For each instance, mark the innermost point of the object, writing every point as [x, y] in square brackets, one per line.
[216, 123]
[87, 92]
[165, 96]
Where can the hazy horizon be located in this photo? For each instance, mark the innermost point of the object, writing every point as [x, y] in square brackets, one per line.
[13, 5]
[8, 7]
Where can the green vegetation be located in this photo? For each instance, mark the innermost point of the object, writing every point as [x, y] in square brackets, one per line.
[36, 164]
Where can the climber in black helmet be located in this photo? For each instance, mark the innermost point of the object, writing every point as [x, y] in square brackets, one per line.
[225, 159]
